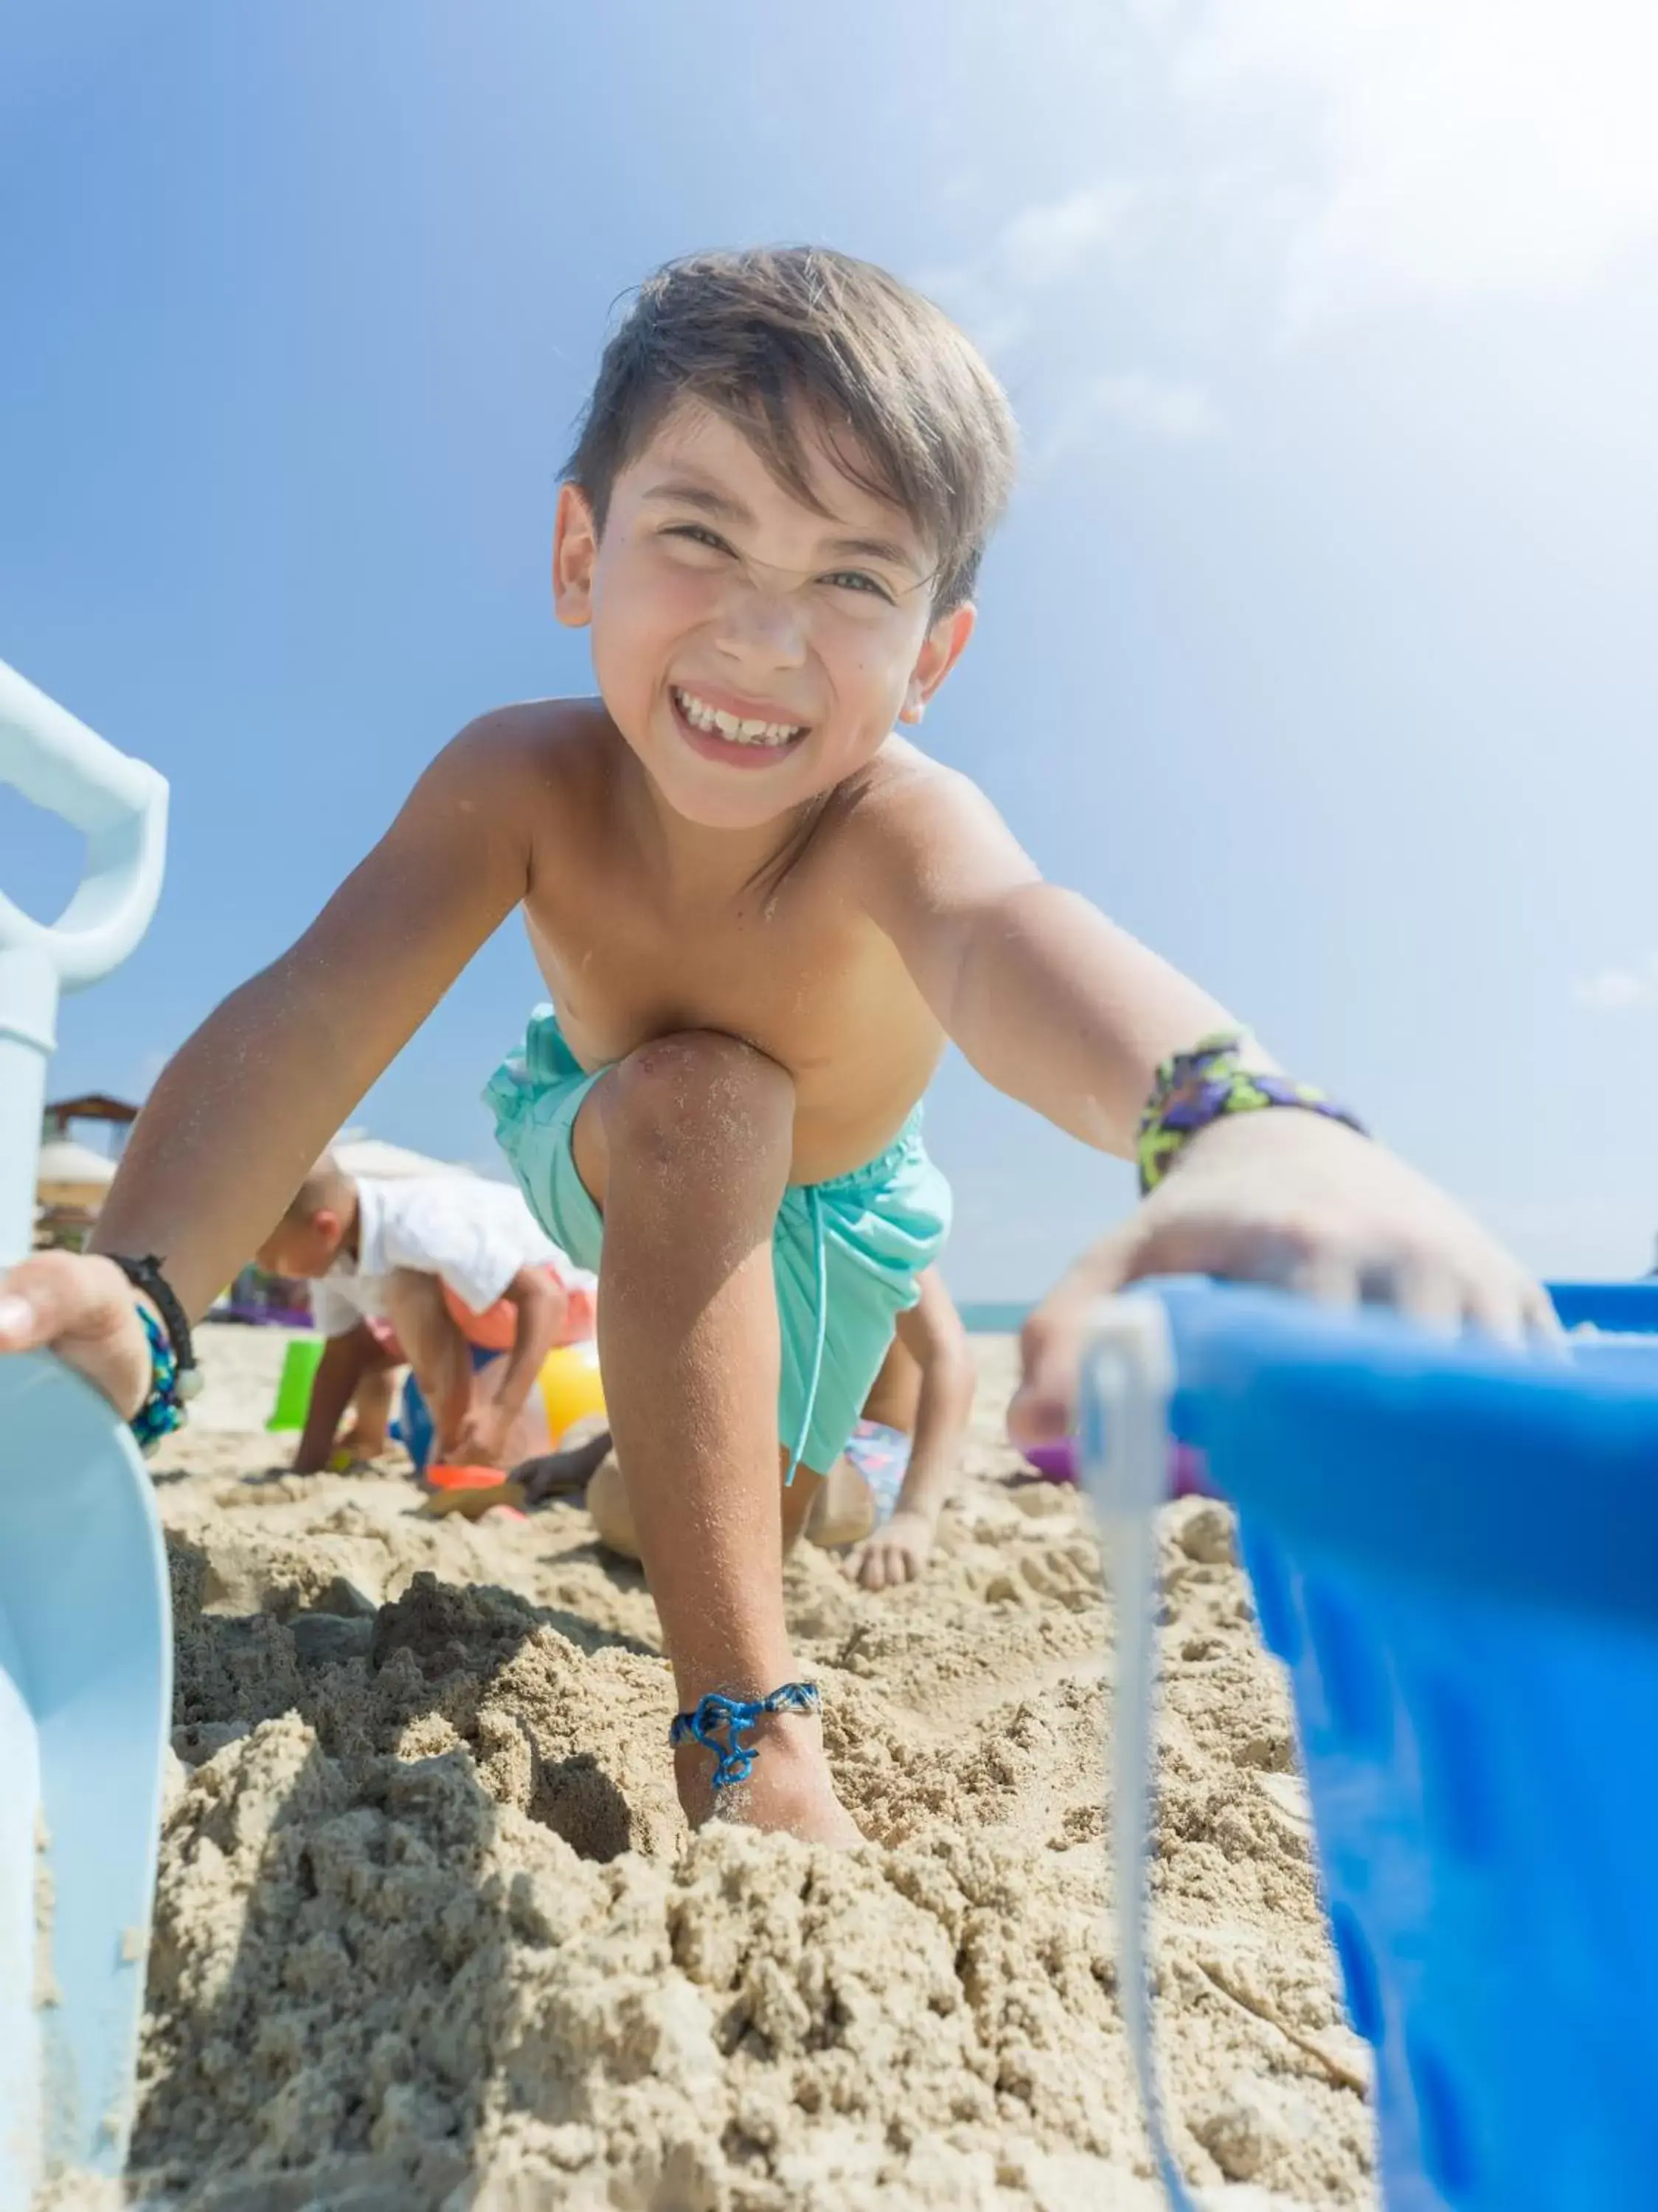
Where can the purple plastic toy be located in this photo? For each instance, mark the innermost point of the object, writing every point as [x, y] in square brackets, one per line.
[1188, 1473]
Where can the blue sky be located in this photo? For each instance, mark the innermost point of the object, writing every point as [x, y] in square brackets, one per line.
[1319, 648]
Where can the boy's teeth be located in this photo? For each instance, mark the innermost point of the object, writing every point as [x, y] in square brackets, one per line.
[733, 727]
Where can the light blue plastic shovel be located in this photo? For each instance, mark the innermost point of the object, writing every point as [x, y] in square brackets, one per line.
[85, 1634]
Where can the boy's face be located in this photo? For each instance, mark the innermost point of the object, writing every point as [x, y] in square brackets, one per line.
[302, 1250]
[753, 654]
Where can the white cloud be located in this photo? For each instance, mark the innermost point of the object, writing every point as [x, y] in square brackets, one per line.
[1620, 990]
[1037, 248]
[1164, 407]
[1168, 410]
[1449, 149]
[1044, 244]
[1044, 248]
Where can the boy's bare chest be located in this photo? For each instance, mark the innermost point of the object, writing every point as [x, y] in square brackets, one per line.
[788, 973]
[796, 973]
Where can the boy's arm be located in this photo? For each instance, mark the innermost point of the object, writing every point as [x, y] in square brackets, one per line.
[338, 1372]
[1056, 1007]
[244, 1108]
[1051, 1002]
[932, 1331]
[538, 1303]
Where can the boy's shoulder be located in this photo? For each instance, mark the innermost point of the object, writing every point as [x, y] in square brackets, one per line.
[510, 760]
[921, 840]
[551, 734]
[903, 787]
[904, 804]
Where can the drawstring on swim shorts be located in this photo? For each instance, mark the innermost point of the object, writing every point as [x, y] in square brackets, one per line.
[821, 1263]
[734, 1759]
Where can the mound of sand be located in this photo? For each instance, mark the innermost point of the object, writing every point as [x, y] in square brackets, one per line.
[430, 1932]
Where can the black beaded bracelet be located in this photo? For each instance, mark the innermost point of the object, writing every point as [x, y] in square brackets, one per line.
[174, 1377]
[146, 1275]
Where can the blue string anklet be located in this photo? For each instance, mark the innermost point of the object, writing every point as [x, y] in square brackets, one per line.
[733, 1760]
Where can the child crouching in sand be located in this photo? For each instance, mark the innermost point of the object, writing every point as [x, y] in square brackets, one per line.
[448, 1272]
[760, 914]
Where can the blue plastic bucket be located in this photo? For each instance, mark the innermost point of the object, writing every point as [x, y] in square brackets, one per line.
[1455, 1553]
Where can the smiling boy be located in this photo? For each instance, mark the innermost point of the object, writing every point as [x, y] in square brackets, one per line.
[760, 914]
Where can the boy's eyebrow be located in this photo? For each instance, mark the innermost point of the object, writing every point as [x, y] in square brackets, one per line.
[686, 491]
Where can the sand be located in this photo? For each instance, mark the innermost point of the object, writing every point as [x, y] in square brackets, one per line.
[430, 1932]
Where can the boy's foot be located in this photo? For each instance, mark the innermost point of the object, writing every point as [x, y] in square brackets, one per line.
[788, 1790]
[843, 1510]
[359, 1443]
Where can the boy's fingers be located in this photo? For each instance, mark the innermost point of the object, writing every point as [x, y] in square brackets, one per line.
[1330, 1277]
[83, 1309]
[1496, 1311]
[1050, 1345]
[1429, 1296]
[59, 1294]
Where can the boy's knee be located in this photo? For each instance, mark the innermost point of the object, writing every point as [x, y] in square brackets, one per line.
[409, 1292]
[698, 1090]
[419, 1315]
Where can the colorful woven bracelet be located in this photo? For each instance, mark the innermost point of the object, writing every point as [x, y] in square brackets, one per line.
[162, 1410]
[735, 1718]
[1203, 1085]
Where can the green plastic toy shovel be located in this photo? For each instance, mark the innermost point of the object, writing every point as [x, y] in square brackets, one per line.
[85, 1634]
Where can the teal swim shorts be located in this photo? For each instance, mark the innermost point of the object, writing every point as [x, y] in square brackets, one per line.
[845, 1254]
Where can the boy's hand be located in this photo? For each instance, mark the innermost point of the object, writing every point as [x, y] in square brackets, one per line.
[897, 1552]
[81, 1308]
[481, 1439]
[1292, 1199]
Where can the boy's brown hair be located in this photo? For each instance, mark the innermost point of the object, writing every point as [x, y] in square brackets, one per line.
[778, 338]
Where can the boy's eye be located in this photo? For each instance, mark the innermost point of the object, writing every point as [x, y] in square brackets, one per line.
[854, 580]
[694, 533]
[857, 581]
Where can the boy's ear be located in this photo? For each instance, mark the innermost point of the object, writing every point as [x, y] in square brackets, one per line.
[574, 550]
[946, 641]
[327, 1221]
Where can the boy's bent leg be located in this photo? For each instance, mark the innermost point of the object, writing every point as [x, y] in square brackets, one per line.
[686, 1145]
[843, 1511]
[439, 1354]
[371, 1412]
[612, 1516]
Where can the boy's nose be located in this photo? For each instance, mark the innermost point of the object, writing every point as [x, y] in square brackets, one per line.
[761, 622]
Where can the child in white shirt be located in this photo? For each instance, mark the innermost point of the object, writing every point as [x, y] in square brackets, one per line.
[449, 1272]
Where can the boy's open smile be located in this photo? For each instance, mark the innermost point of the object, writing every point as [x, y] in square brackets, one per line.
[741, 733]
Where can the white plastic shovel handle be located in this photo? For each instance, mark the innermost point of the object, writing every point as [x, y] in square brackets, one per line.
[1128, 1376]
[120, 805]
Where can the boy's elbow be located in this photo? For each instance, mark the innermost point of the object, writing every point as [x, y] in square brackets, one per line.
[541, 1302]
